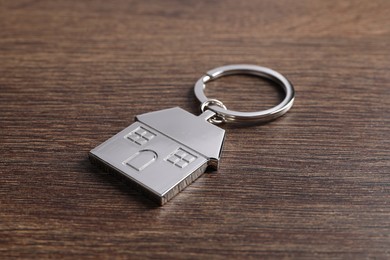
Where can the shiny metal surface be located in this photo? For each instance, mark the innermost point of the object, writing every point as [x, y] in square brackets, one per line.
[240, 117]
[163, 152]
[216, 119]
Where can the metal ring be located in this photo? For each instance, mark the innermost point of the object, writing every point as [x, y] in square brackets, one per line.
[240, 117]
[216, 119]
[211, 101]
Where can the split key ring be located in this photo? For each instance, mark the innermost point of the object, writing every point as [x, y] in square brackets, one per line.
[227, 115]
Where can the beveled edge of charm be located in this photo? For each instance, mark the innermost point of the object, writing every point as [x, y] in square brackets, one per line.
[155, 197]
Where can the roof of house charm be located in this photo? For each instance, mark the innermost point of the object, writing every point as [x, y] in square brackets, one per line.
[163, 152]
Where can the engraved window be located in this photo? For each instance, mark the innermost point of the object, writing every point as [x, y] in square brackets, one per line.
[140, 136]
[181, 158]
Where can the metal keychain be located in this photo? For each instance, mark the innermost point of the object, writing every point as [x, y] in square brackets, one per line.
[165, 151]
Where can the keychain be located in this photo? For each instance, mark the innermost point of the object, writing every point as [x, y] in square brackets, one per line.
[165, 151]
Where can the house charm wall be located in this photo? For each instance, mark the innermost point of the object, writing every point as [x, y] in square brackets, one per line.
[163, 152]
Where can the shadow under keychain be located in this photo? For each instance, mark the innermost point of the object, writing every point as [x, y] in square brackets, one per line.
[165, 151]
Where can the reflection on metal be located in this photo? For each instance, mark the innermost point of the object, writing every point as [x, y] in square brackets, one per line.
[163, 152]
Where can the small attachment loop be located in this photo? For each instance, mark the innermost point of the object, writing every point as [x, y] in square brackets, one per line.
[216, 119]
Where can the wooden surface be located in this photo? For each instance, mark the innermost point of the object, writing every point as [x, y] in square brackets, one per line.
[312, 184]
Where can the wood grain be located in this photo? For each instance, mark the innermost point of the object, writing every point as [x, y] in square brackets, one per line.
[314, 184]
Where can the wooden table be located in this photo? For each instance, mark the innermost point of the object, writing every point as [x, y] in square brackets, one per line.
[312, 184]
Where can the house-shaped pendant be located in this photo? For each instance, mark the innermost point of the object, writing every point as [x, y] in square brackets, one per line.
[163, 152]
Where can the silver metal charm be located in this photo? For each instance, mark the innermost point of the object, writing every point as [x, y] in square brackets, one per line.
[164, 151]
